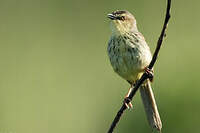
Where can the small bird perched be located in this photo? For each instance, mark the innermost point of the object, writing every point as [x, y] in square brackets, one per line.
[130, 56]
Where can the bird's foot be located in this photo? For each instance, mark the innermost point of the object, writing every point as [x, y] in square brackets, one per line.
[127, 100]
[128, 103]
[149, 73]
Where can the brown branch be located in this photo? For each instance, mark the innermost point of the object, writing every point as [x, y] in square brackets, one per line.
[145, 75]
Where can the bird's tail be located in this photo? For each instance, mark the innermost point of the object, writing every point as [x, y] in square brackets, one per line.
[150, 106]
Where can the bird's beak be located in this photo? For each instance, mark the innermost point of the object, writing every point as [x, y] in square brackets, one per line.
[111, 16]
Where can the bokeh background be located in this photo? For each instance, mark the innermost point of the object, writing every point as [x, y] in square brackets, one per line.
[55, 76]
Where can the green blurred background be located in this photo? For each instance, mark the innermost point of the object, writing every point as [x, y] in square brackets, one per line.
[55, 76]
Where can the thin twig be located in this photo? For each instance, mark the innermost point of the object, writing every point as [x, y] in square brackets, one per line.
[145, 75]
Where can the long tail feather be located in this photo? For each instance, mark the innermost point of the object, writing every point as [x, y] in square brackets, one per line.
[150, 106]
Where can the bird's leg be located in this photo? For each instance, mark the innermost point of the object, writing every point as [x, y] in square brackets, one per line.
[127, 101]
[149, 73]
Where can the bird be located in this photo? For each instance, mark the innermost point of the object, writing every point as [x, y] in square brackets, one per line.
[130, 55]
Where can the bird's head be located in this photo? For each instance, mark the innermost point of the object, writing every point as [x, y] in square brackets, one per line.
[122, 22]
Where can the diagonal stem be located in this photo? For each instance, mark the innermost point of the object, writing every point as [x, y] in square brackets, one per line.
[144, 76]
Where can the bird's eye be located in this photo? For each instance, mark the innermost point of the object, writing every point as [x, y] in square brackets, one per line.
[122, 18]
